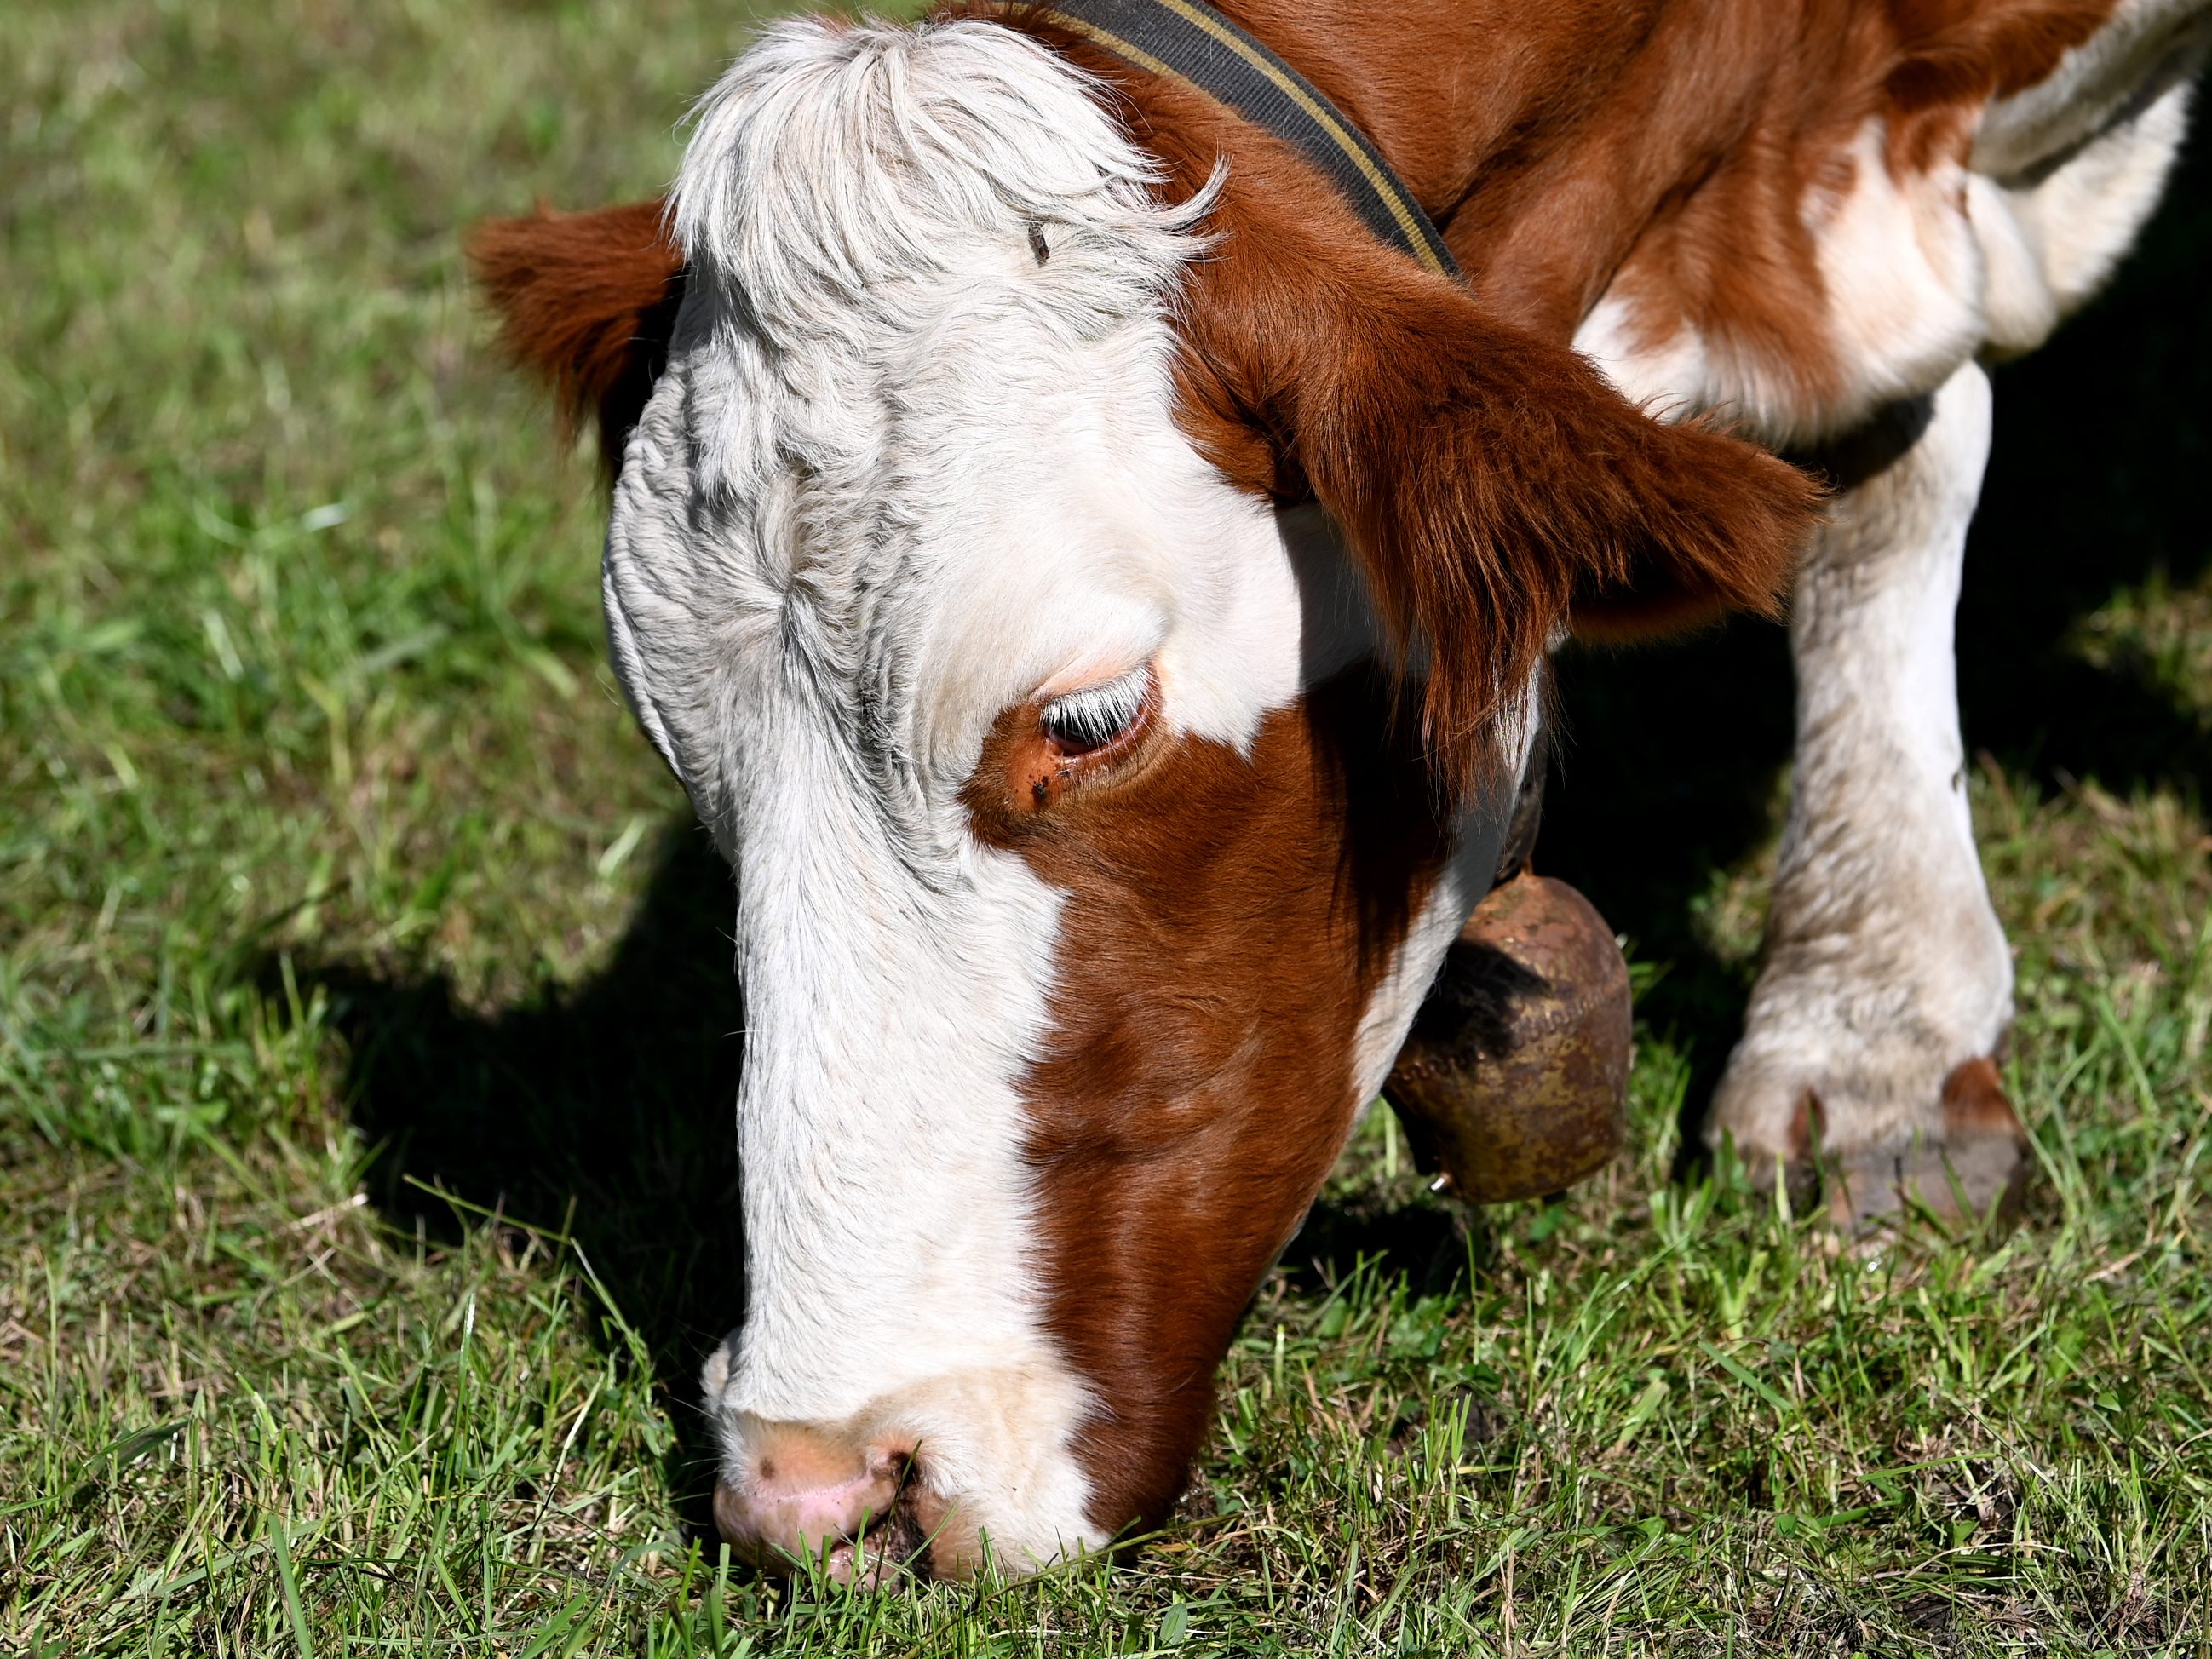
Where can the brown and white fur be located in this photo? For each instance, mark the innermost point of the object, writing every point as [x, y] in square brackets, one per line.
[1007, 394]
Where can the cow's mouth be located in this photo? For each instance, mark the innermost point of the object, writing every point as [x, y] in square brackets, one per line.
[899, 1546]
[883, 1551]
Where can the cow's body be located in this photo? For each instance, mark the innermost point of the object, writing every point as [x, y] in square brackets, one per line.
[1016, 556]
[1818, 221]
[1797, 211]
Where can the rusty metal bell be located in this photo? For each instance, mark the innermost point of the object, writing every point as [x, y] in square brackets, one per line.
[1514, 1081]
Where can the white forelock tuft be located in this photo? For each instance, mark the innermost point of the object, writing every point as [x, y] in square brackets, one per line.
[838, 159]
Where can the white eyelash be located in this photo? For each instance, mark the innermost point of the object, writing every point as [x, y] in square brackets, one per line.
[1095, 715]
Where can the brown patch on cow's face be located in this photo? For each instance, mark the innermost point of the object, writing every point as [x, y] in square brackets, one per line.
[1027, 768]
[1227, 921]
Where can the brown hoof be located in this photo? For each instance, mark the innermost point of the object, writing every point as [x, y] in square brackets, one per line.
[1975, 1166]
[1514, 1082]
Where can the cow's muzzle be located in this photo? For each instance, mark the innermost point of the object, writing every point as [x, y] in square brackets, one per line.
[809, 1497]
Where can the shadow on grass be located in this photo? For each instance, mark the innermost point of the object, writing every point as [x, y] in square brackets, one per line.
[1431, 1244]
[607, 1110]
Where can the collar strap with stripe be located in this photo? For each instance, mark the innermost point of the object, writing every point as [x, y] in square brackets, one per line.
[1188, 42]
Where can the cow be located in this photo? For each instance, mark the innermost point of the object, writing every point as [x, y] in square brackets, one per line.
[1096, 594]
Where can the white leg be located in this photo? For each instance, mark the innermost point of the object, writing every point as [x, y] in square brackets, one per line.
[1887, 982]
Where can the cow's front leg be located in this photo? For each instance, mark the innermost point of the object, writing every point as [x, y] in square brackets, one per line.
[1886, 984]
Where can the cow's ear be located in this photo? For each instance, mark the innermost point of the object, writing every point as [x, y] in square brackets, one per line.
[1497, 491]
[588, 301]
[1495, 487]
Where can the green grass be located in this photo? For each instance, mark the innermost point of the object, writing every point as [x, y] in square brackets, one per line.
[365, 1193]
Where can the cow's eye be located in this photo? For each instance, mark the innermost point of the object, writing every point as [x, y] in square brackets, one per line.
[1099, 718]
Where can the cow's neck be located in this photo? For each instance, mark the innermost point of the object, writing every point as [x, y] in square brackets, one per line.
[1549, 142]
[1543, 139]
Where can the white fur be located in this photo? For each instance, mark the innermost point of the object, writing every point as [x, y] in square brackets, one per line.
[1885, 964]
[1903, 275]
[1901, 270]
[899, 475]
[1665, 373]
[2052, 232]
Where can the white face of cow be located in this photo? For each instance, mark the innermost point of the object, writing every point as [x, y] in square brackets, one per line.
[942, 622]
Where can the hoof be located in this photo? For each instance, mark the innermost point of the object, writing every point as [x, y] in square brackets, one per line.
[1514, 1082]
[1971, 1167]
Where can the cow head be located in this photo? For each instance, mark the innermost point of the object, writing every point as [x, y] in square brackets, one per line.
[1098, 813]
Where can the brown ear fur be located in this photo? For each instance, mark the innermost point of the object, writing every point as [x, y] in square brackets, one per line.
[1492, 483]
[587, 301]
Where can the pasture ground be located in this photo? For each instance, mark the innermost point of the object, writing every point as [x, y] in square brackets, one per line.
[366, 1199]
